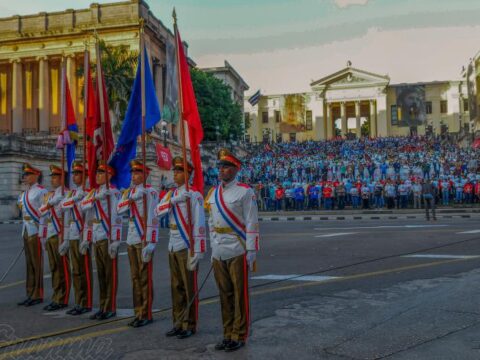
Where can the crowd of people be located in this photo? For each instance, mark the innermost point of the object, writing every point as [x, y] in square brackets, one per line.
[364, 173]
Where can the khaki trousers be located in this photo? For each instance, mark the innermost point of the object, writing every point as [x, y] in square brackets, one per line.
[107, 272]
[184, 286]
[142, 285]
[34, 262]
[81, 275]
[231, 277]
[60, 270]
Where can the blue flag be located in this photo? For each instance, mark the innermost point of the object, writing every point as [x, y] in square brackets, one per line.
[126, 148]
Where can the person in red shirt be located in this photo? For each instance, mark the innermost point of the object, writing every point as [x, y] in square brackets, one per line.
[279, 195]
[327, 195]
[477, 190]
[468, 192]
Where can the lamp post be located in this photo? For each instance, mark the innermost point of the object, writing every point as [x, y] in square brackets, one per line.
[164, 132]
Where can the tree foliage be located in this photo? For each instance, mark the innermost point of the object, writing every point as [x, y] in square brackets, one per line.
[216, 107]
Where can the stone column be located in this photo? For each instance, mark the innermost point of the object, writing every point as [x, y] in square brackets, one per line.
[344, 124]
[329, 121]
[71, 77]
[158, 68]
[373, 119]
[17, 96]
[43, 94]
[357, 118]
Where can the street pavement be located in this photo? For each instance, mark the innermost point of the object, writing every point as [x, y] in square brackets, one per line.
[342, 289]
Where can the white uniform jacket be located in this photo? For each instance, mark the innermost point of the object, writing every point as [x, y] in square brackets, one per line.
[98, 220]
[135, 212]
[74, 216]
[51, 211]
[30, 202]
[178, 218]
[233, 221]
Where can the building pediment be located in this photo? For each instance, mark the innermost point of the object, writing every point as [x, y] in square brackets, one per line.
[349, 78]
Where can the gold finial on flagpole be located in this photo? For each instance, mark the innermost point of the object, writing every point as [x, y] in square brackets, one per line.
[174, 15]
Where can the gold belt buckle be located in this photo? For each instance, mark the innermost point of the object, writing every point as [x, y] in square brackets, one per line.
[173, 227]
[96, 221]
[223, 230]
[27, 218]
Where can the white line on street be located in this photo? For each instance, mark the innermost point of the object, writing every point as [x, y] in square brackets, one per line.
[294, 277]
[438, 256]
[382, 227]
[334, 234]
[469, 232]
[123, 253]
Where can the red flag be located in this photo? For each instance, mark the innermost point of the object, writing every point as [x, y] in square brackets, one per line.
[191, 116]
[91, 127]
[95, 139]
[164, 157]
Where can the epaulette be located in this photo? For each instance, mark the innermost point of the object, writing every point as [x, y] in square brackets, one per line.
[206, 204]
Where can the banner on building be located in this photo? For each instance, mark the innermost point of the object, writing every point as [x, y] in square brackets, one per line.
[411, 105]
[170, 107]
[293, 113]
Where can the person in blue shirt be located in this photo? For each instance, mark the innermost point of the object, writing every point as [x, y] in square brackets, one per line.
[299, 196]
[313, 197]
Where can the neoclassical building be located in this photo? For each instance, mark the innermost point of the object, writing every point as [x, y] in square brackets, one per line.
[353, 102]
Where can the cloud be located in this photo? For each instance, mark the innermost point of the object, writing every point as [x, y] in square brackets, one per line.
[346, 3]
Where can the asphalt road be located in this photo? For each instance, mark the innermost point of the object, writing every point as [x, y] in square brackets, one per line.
[396, 289]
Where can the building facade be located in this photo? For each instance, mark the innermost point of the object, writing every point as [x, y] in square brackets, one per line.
[230, 77]
[351, 103]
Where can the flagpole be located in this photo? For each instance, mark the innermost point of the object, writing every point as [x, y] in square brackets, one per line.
[144, 146]
[104, 141]
[183, 137]
[64, 124]
[86, 68]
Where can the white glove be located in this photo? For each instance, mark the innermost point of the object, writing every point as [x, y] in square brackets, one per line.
[147, 252]
[84, 246]
[193, 261]
[113, 249]
[139, 192]
[182, 197]
[63, 247]
[251, 257]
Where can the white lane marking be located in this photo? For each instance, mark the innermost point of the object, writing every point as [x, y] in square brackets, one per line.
[123, 253]
[382, 227]
[469, 232]
[334, 234]
[294, 277]
[121, 313]
[440, 256]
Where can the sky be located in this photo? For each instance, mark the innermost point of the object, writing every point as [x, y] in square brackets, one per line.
[281, 46]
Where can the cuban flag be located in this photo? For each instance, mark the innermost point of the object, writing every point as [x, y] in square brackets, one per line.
[69, 134]
[255, 98]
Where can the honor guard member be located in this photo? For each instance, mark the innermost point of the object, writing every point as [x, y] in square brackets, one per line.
[233, 225]
[140, 245]
[56, 241]
[99, 203]
[80, 260]
[183, 267]
[30, 202]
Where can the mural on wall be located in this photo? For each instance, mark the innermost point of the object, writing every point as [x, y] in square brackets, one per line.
[472, 90]
[170, 111]
[293, 113]
[411, 105]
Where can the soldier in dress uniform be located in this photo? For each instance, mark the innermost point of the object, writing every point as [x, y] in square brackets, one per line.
[105, 231]
[233, 225]
[80, 258]
[140, 245]
[56, 244]
[30, 202]
[183, 267]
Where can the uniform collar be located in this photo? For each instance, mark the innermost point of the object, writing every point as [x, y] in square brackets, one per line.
[229, 185]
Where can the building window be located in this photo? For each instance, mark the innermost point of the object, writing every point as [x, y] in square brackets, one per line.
[308, 121]
[293, 137]
[247, 138]
[278, 117]
[443, 106]
[428, 107]
[265, 117]
[465, 105]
